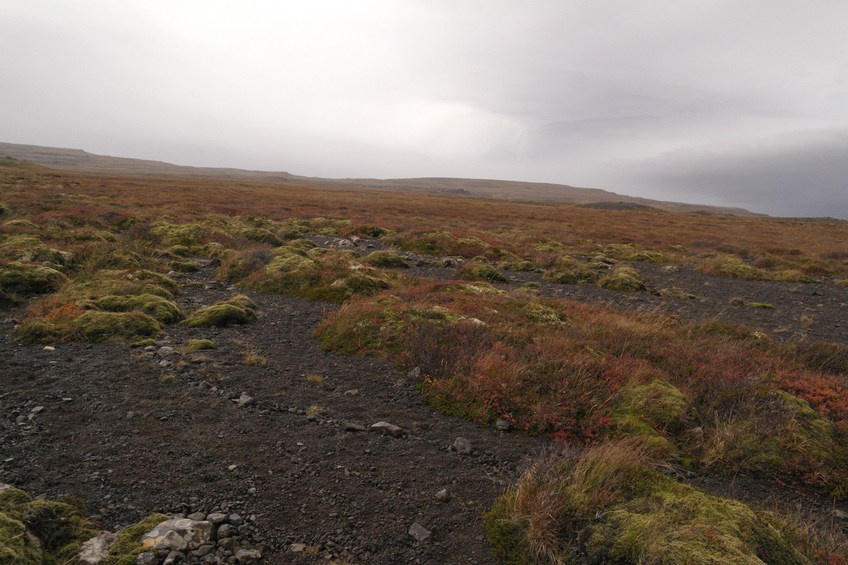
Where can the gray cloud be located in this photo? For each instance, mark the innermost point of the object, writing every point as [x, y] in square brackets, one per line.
[645, 98]
[805, 172]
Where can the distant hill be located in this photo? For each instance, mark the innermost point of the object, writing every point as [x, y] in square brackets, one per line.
[79, 160]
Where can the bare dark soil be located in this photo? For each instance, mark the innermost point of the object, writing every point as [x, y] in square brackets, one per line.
[130, 434]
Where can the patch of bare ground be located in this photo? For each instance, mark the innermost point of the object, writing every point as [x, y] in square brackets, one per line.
[132, 432]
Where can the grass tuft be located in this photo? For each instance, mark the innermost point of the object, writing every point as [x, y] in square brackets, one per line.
[607, 504]
[621, 277]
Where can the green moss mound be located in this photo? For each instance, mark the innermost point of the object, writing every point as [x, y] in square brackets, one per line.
[27, 279]
[121, 282]
[183, 266]
[622, 278]
[39, 531]
[651, 412]
[101, 326]
[261, 235]
[386, 260]
[184, 234]
[320, 274]
[159, 308]
[474, 271]
[608, 505]
[199, 344]
[793, 439]
[237, 310]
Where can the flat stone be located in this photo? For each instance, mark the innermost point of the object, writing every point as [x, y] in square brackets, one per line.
[216, 518]
[388, 429]
[443, 495]
[502, 425]
[419, 532]
[199, 516]
[165, 351]
[48, 348]
[297, 548]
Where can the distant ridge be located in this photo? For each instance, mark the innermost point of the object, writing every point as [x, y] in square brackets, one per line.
[79, 160]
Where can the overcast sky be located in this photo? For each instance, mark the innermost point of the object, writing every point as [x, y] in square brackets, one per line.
[727, 102]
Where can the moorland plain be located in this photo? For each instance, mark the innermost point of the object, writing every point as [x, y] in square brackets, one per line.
[636, 384]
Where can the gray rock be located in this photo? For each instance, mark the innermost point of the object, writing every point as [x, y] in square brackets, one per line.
[354, 426]
[204, 550]
[235, 519]
[228, 544]
[414, 373]
[461, 446]
[388, 429]
[147, 558]
[245, 400]
[450, 262]
[226, 531]
[174, 557]
[352, 392]
[178, 534]
[165, 351]
[96, 549]
[419, 532]
[199, 516]
[840, 514]
[150, 348]
[216, 518]
[248, 556]
[502, 425]
[297, 548]
[443, 495]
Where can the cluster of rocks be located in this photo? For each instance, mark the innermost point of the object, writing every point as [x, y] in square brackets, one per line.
[213, 538]
[199, 538]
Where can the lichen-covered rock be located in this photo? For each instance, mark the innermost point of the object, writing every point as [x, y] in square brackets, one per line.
[179, 534]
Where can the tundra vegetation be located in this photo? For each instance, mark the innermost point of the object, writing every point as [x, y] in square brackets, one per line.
[631, 401]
